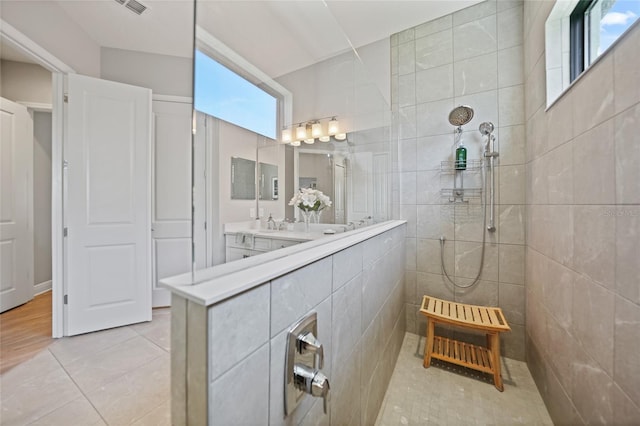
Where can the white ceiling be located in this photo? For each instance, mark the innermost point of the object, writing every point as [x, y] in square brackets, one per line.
[276, 36]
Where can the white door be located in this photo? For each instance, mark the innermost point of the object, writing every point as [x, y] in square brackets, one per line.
[359, 203]
[171, 194]
[108, 204]
[16, 224]
[339, 186]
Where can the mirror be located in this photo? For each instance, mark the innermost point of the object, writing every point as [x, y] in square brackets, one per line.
[268, 177]
[243, 179]
[271, 45]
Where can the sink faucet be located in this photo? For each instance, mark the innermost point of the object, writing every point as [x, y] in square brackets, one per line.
[271, 224]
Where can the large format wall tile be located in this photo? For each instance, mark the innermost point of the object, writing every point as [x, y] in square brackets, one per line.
[477, 74]
[627, 156]
[347, 264]
[510, 28]
[295, 293]
[434, 84]
[242, 322]
[594, 245]
[434, 50]
[593, 96]
[238, 396]
[627, 334]
[593, 321]
[475, 38]
[627, 249]
[594, 166]
[434, 26]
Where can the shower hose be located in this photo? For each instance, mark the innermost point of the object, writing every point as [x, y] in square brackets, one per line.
[484, 237]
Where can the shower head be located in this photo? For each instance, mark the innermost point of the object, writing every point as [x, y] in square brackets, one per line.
[461, 115]
[486, 128]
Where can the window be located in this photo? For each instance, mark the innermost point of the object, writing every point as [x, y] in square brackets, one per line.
[224, 94]
[594, 26]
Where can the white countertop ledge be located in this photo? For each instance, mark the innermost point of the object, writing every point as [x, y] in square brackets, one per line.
[213, 285]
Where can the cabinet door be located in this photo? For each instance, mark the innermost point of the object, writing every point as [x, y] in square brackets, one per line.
[278, 244]
[238, 253]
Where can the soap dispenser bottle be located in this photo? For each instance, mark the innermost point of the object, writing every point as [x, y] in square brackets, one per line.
[461, 156]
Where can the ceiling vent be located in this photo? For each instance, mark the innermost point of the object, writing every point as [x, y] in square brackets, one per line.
[121, 1]
[136, 6]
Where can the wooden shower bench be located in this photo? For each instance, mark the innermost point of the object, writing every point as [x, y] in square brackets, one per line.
[489, 320]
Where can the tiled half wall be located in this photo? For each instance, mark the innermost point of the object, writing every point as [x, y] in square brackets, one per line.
[228, 359]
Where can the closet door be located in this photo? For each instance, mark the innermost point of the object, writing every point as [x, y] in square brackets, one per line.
[171, 193]
[16, 208]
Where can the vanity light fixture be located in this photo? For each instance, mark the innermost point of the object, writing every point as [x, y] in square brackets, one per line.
[309, 131]
[316, 129]
[301, 132]
[286, 135]
[333, 126]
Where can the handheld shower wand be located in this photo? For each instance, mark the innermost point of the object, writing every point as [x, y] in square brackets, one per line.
[486, 129]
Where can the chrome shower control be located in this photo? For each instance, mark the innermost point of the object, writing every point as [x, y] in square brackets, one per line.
[306, 343]
[313, 382]
[304, 359]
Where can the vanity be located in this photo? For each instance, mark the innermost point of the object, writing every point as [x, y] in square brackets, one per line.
[241, 241]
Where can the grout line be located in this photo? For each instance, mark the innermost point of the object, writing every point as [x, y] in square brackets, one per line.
[82, 392]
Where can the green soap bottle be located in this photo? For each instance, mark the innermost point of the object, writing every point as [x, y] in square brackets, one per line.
[461, 157]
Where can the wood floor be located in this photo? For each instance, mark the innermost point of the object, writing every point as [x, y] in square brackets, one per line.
[25, 331]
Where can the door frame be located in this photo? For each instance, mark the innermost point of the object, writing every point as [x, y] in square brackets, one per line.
[59, 69]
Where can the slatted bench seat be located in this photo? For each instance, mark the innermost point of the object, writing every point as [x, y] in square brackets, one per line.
[489, 320]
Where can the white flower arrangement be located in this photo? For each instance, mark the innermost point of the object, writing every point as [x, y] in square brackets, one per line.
[308, 199]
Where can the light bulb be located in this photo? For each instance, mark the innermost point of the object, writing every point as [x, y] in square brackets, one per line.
[309, 141]
[301, 132]
[316, 129]
[340, 136]
[295, 143]
[333, 126]
[286, 135]
[325, 138]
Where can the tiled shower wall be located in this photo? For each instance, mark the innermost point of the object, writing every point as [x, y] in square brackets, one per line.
[583, 233]
[472, 57]
[228, 359]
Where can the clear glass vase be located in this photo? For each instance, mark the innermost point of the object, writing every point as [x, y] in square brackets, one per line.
[316, 216]
[307, 216]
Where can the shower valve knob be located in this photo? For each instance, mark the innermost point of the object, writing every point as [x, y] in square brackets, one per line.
[307, 342]
[313, 382]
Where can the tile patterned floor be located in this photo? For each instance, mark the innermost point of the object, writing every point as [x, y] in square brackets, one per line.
[448, 395]
[83, 380]
[114, 377]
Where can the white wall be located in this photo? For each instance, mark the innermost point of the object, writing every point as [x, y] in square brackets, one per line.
[376, 58]
[343, 86]
[163, 74]
[45, 23]
[42, 200]
[22, 82]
